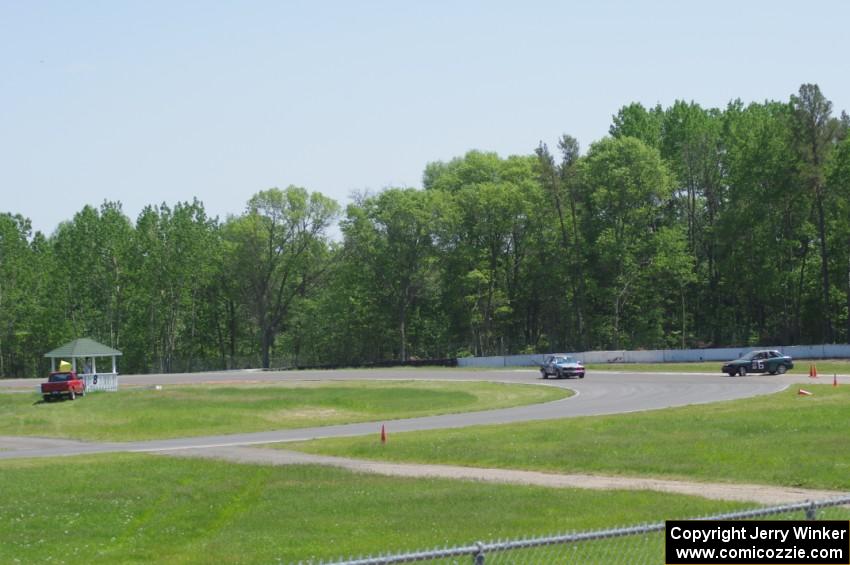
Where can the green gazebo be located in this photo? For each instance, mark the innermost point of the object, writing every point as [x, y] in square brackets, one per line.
[88, 350]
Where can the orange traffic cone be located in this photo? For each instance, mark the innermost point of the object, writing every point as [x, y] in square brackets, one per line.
[834, 380]
[803, 392]
[383, 434]
[813, 372]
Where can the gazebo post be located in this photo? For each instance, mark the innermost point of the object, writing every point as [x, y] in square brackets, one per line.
[74, 364]
[114, 368]
[94, 365]
[53, 364]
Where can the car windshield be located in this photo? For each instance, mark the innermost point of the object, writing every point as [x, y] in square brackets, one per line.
[59, 377]
[564, 360]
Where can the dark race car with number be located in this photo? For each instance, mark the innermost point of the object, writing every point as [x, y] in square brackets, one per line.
[762, 361]
[560, 366]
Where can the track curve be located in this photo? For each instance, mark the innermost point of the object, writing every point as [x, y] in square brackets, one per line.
[599, 394]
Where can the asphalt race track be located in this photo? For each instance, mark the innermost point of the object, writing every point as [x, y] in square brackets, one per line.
[599, 393]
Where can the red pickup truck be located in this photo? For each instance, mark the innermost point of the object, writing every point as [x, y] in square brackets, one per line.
[63, 384]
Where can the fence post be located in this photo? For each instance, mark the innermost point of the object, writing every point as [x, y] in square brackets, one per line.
[479, 556]
[811, 512]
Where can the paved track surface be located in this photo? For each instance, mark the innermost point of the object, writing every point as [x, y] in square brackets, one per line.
[599, 393]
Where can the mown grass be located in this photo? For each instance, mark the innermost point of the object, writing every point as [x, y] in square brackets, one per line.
[138, 414]
[826, 367]
[153, 509]
[780, 439]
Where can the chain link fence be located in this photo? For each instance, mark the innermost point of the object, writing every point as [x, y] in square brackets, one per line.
[642, 544]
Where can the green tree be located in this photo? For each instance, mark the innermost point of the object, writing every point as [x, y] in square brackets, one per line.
[765, 232]
[559, 184]
[175, 269]
[21, 293]
[816, 133]
[692, 146]
[278, 250]
[838, 179]
[628, 188]
[89, 271]
[487, 233]
[391, 237]
[636, 121]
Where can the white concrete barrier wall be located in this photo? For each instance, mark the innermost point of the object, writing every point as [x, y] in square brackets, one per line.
[694, 355]
[503, 361]
[829, 351]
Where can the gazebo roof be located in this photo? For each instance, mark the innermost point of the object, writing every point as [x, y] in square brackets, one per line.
[83, 347]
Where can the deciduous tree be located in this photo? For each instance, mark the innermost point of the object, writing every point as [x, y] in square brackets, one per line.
[279, 252]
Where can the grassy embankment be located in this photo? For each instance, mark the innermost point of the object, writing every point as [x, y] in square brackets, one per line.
[138, 414]
[154, 509]
[780, 439]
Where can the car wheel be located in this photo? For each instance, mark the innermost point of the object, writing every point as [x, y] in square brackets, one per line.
[545, 374]
[731, 373]
[581, 376]
[781, 369]
[742, 371]
[47, 398]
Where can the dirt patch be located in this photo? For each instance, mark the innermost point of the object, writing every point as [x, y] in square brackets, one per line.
[761, 494]
[307, 413]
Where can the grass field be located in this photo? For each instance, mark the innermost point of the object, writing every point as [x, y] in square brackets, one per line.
[826, 367]
[143, 508]
[137, 414]
[131, 508]
[780, 439]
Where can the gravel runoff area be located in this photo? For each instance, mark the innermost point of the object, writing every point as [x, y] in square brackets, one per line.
[760, 494]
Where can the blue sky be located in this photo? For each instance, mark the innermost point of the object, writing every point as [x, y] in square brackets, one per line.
[147, 101]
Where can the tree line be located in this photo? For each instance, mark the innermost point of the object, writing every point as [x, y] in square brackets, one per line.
[685, 227]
